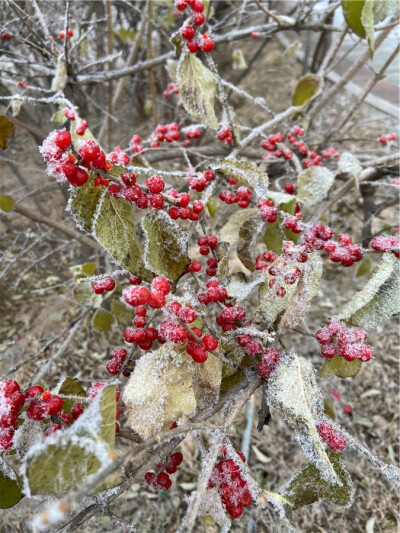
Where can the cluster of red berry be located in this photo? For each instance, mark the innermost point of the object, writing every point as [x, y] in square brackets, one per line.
[118, 156]
[171, 89]
[198, 351]
[135, 144]
[197, 7]
[214, 293]
[61, 163]
[162, 481]
[384, 139]
[228, 316]
[336, 442]
[118, 357]
[231, 486]
[155, 298]
[81, 127]
[344, 251]
[268, 210]
[293, 222]
[225, 134]
[386, 244]
[165, 133]
[199, 183]
[337, 339]
[270, 145]
[181, 209]
[67, 34]
[243, 196]
[5, 36]
[291, 188]
[269, 361]
[263, 261]
[207, 243]
[251, 346]
[98, 287]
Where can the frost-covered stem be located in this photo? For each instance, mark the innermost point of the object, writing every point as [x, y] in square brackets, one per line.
[61, 350]
[152, 83]
[222, 95]
[378, 76]
[246, 438]
[66, 40]
[257, 101]
[347, 76]
[260, 129]
[196, 497]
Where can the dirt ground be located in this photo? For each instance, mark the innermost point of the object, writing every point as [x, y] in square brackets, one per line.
[37, 303]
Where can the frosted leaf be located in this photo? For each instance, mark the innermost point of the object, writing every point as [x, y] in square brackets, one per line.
[171, 67]
[222, 253]
[307, 486]
[113, 227]
[240, 288]
[10, 490]
[293, 391]
[348, 164]
[314, 184]
[306, 289]
[273, 238]
[280, 199]
[159, 392]
[230, 231]
[246, 173]
[83, 203]
[207, 381]
[197, 88]
[308, 87]
[166, 246]
[211, 505]
[248, 235]
[103, 320]
[380, 297]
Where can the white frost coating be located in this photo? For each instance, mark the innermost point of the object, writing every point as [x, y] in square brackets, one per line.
[211, 505]
[376, 301]
[230, 231]
[6, 470]
[350, 165]
[241, 289]
[61, 74]
[314, 184]
[248, 173]
[280, 198]
[49, 516]
[293, 391]
[254, 332]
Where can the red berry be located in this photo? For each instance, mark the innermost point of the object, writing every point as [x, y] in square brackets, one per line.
[76, 411]
[210, 343]
[108, 284]
[53, 405]
[136, 295]
[155, 184]
[113, 367]
[80, 178]
[188, 32]
[62, 139]
[34, 392]
[192, 46]
[208, 45]
[36, 410]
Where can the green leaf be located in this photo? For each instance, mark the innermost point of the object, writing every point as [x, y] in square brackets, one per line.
[7, 203]
[6, 130]
[89, 268]
[83, 203]
[307, 486]
[230, 231]
[166, 246]
[379, 298]
[307, 88]
[121, 312]
[114, 228]
[108, 407]
[367, 20]
[348, 164]
[338, 366]
[71, 387]
[197, 88]
[84, 295]
[238, 60]
[10, 489]
[212, 206]
[293, 391]
[273, 238]
[248, 234]
[103, 320]
[352, 10]
[246, 173]
[364, 266]
[314, 184]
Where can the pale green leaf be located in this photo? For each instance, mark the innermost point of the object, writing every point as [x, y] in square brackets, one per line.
[83, 203]
[222, 253]
[338, 366]
[108, 408]
[6, 130]
[197, 87]
[212, 206]
[103, 320]
[238, 60]
[166, 246]
[121, 312]
[307, 88]
[84, 295]
[246, 172]
[248, 234]
[307, 486]
[7, 203]
[159, 391]
[314, 184]
[114, 228]
[364, 266]
[348, 164]
[230, 231]
[367, 20]
[273, 238]
[61, 74]
[379, 299]
[71, 387]
[352, 10]
[293, 391]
